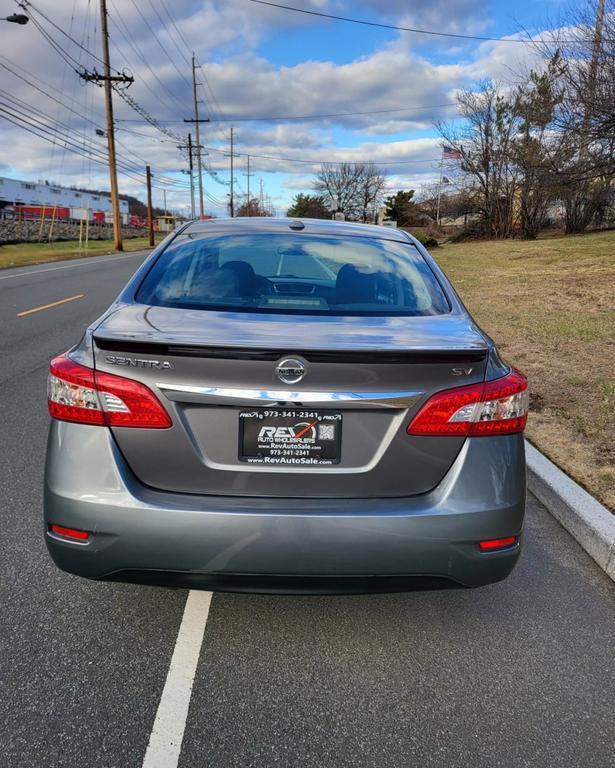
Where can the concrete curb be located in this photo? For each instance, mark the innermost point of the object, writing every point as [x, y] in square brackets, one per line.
[591, 524]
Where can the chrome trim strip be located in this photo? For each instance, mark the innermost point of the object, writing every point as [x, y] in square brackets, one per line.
[383, 399]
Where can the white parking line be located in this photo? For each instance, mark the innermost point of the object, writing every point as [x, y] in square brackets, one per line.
[99, 259]
[165, 741]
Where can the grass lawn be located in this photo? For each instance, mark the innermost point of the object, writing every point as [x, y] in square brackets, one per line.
[37, 253]
[550, 306]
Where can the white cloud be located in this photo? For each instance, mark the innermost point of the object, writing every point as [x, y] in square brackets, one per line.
[242, 82]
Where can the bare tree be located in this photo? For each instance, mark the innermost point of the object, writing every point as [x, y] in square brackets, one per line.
[371, 191]
[358, 188]
[484, 146]
[253, 207]
[586, 115]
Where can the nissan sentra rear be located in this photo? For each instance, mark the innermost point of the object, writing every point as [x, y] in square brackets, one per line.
[282, 405]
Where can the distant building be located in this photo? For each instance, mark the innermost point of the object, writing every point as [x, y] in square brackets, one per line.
[14, 192]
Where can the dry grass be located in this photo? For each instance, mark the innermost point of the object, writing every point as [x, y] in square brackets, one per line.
[23, 254]
[550, 306]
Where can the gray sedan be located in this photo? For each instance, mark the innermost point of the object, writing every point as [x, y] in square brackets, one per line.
[275, 405]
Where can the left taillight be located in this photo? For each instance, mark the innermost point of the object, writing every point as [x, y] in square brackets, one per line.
[85, 396]
[497, 407]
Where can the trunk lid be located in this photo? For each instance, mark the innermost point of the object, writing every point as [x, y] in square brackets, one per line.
[215, 371]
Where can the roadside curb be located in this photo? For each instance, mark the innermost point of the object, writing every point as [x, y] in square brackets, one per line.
[588, 521]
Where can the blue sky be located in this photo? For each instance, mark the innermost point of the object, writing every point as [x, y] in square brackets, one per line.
[257, 61]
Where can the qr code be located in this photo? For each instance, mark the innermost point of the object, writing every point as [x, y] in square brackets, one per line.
[326, 432]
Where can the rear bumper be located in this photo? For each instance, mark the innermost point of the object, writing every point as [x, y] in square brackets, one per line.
[281, 544]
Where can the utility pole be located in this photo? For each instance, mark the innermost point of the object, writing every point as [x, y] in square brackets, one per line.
[189, 147]
[197, 121]
[248, 174]
[232, 179]
[232, 197]
[164, 197]
[191, 166]
[107, 79]
[150, 214]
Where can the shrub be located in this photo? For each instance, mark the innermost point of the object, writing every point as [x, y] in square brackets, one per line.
[427, 240]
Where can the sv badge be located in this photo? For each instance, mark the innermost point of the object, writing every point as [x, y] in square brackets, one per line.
[462, 371]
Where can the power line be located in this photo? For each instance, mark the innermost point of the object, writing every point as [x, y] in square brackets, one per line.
[146, 135]
[168, 31]
[211, 99]
[52, 124]
[338, 114]
[48, 128]
[162, 47]
[96, 154]
[28, 6]
[68, 59]
[175, 27]
[248, 119]
[121, 92]
[49, 94]
[76, 65]
[326, 162]
[434, 33]
[132, 43]
[45, 132]
[292, 159]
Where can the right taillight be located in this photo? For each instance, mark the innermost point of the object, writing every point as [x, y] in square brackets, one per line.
[497, 407]
[85, 396]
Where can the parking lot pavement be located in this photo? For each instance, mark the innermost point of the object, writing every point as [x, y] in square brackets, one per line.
[521, 673]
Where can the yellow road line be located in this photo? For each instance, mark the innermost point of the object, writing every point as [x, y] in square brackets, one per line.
[48, 306]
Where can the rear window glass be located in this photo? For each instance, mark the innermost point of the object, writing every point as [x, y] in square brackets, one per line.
[294, 273]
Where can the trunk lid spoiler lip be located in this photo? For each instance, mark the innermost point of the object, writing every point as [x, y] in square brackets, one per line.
[271, 354]
[453, 334]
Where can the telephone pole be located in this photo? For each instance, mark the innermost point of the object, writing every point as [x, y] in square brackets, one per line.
[248, 174]
[189, 147]
[232, 180]
[197, 121]
[150, 214]
[191, 166]
[107, 79]
[232, 195]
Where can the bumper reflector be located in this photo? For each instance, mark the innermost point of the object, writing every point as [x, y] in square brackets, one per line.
[491, 545]
[70, 533]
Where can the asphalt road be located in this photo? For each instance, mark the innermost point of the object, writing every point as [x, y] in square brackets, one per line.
[521, 673]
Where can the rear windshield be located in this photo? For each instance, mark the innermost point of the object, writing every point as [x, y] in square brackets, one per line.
[294, 273]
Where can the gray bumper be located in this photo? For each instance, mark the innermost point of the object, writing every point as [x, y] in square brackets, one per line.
[255, 543]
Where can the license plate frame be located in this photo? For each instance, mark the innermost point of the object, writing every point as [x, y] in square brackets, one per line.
[290, 437]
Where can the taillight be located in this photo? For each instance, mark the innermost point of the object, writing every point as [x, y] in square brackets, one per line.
[497, 407]
[83, 395]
